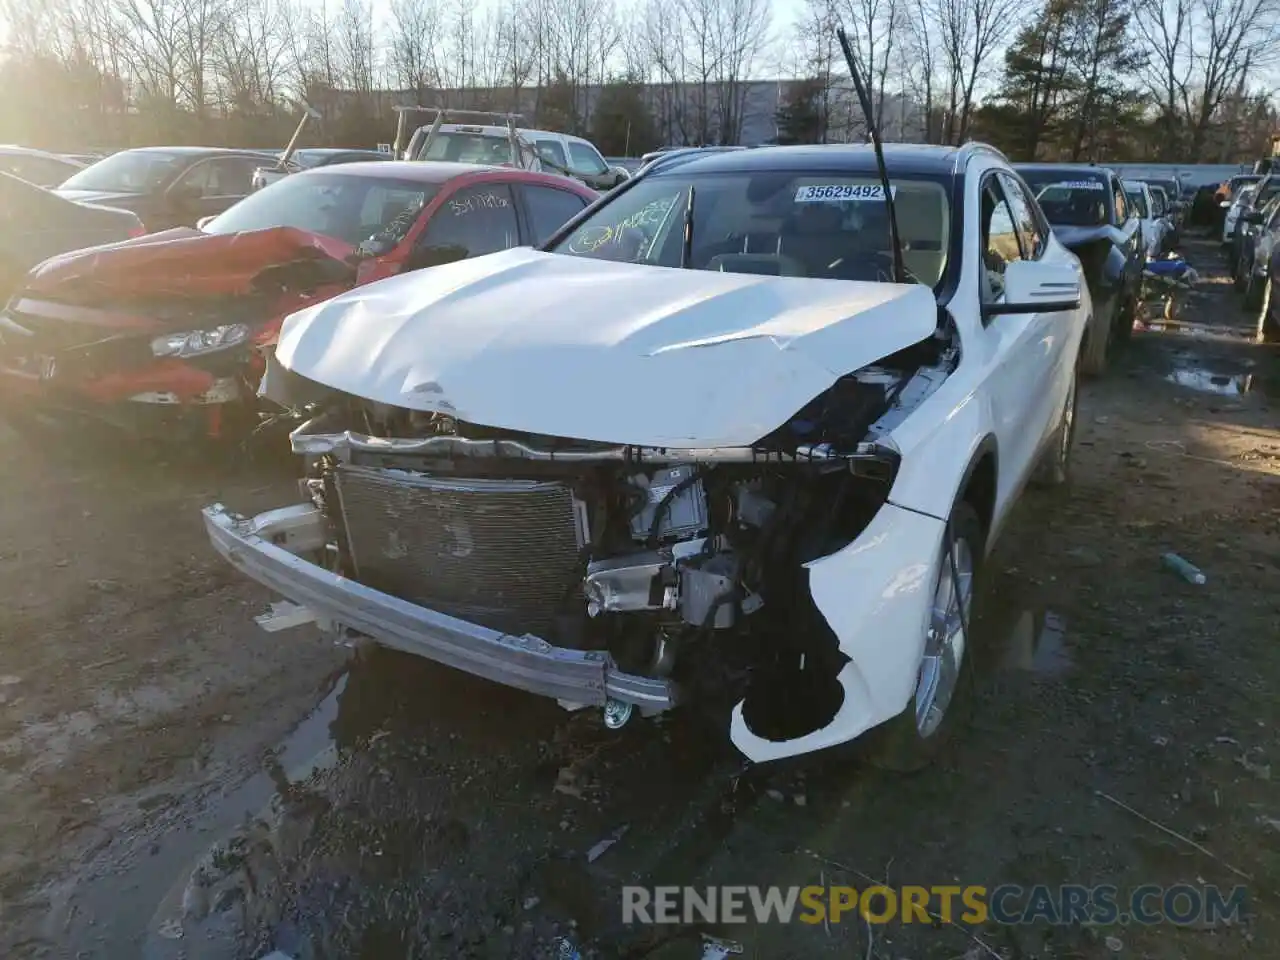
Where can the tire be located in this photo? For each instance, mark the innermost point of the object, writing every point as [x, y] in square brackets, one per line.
[1128, 312]
[1238, 274]
[1252, 292]
[1093, 361]
[914, 738]
[1268, 321]
[1054, 468]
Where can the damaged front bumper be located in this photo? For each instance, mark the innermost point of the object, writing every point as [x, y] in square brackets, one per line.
[270, 549]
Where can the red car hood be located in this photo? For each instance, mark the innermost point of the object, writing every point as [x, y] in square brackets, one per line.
[181, 263]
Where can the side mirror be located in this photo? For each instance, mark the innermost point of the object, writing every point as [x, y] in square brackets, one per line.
[1252, 216]
[1035, 286]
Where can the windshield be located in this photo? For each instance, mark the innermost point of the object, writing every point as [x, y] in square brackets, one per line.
[1245, 196]
[1138, 202]
[1260, 199]
[469, 148]
[347, 208]
[1159, 203]
[1067, 200]
[830, 226]
[1239, 185]
[132, 171]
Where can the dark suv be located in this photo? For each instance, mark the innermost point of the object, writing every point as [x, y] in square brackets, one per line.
[1089, 213]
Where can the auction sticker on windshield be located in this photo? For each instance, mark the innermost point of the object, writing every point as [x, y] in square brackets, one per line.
[837, 192]
[1081, 185]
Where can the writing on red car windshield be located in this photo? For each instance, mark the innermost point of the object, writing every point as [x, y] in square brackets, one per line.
[462, 205]
[353, 209]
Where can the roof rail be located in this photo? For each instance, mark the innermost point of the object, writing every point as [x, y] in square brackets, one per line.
[523, 154]
[403, 110]
[976, 146]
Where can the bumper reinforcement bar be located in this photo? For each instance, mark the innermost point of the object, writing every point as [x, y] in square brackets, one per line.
[265, 549]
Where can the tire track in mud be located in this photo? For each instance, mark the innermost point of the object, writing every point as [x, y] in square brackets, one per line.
[449, 817]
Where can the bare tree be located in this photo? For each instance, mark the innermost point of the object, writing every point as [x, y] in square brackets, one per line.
[741, 33]
[355, 46]
[969, 33]
[413, 31]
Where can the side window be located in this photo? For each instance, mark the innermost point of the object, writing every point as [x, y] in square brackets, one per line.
[1025, 221]
[552, 150]
[474, 221]
[585, 159]
[550, 209]
[999, 239]
[1122, 208]
[223, 177]
[37, 170]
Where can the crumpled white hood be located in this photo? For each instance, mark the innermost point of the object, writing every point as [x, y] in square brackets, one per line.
[610, 352]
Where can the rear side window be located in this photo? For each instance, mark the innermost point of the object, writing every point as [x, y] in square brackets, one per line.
[550, 209]
[585, 159]
[553, 151]
[41, 171]
[474, 221]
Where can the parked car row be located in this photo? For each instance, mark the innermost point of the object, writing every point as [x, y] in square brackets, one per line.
[1250, 231]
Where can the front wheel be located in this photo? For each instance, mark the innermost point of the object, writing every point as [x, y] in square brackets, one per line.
[1093, 363]
[1253, 291]
[915, 737]
[1054, 469]
[1269, 315]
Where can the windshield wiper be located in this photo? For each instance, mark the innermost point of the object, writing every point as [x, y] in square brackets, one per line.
[873, 129]
[686, 251]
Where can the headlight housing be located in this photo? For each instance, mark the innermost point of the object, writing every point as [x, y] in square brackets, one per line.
[194, 343]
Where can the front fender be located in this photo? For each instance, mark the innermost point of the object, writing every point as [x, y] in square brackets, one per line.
[876, 595]
[938, 450]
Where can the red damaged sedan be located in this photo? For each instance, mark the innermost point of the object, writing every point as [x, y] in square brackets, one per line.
[162, 335]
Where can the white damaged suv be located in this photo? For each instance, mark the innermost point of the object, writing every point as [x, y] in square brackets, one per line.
[718, 438]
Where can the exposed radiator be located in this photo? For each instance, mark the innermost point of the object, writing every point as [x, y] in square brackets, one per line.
[503, 553]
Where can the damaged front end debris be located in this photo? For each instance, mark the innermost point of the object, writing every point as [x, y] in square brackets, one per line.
[626, 578]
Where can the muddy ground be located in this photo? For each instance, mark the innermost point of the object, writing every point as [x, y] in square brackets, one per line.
[176, 782]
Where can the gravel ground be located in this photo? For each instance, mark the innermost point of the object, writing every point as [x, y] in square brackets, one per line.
[177, 783]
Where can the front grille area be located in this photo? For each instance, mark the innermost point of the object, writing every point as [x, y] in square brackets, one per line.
[502, 553]
[80, 347]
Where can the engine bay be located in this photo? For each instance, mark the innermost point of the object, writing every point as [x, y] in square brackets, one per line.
[681, 564]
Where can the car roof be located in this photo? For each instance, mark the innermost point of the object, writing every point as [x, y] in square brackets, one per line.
[32, 152]
[900, 158]
[333, 151]
[422, 171]
[1072, 168]
[199, 151]
[433, 171]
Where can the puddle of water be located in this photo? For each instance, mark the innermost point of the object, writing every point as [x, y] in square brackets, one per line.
[1205, 381]
[115, 913]
[1037, 644]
